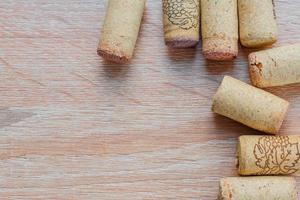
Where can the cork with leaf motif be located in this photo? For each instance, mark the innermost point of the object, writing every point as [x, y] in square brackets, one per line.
[268, 155]
[181, 23]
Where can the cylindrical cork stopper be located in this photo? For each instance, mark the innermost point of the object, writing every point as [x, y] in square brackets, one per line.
[181, 22]
[258, 188]
[275, 67]
[250, 106]
[257, 22]
[268, 155]
[120, 29]
[219, 23]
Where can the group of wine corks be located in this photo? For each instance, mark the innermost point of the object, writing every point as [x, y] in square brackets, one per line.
[260, 156]
[223, 24]
[263, 156]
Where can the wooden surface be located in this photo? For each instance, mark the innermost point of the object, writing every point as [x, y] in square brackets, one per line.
[75, 127]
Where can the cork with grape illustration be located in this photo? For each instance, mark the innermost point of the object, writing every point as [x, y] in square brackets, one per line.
[120, 30]
[268, 155]
[181, 23]
[258, 188]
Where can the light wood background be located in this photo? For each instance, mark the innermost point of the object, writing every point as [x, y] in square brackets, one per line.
[73, 126]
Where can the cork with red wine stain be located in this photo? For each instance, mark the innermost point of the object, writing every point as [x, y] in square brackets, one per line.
[181, 23]
[219, 24]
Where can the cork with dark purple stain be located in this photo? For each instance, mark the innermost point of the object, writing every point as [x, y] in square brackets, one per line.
[181, 23]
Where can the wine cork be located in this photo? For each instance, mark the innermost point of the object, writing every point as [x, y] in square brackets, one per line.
[181, 23]
[268, 155]
[250, 106]
[219, 21]
[275, 67]
[258, 188]
[120, 29]
[257, 23]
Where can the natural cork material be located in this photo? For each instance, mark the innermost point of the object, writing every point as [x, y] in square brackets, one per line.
[219, 23]
[257, 23]
[181, 23]
[121, 29]
[275, 67]
[250, 106]
[268, 155]
[258, 188]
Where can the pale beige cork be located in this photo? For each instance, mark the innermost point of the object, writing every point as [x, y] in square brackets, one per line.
[268, 155]
[258, 188]
[219, 23]
[250, 106]
[120, 30]
[181, 23]
[257, 23]
[275, 67]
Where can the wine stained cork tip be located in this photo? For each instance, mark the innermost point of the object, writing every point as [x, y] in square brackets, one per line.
[181, 21]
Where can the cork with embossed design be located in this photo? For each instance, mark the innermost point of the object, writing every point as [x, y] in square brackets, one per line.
[268, 155]
[181, 23]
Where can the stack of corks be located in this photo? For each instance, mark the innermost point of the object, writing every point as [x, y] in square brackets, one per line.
[223, 24]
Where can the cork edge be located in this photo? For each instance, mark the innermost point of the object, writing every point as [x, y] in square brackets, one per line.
[181, 43]
[113, 57]
[281, 117]
[255, 71]
[225, 192]
[238, 157]
[220, 48]
[258, 42]
[219, 55]
[215, 97]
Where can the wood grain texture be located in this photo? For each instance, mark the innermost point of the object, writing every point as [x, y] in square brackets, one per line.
[73, 126]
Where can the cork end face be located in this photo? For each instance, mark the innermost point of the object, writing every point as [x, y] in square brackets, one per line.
[216, 98]
[220, 56]
[220, 49]
[225, 191]
[110, 56]
[181, 43]
[255, 71]
[240, 162]
[281, 117]
[258, 42]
